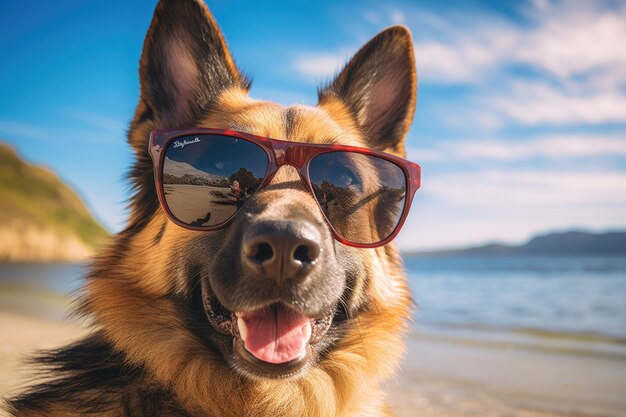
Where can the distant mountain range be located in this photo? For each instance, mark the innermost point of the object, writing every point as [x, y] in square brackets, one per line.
[41, 218]
[550, 244]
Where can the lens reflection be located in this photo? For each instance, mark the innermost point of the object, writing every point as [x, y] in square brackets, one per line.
[362, 196]
[207, 178]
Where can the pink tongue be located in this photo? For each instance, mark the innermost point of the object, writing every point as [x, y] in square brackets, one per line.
[275, 334]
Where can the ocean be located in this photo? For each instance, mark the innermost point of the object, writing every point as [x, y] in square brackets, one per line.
[574, 303]
[571, 304]
[503, 336]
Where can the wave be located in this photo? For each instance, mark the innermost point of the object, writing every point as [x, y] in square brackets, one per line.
[527, 338]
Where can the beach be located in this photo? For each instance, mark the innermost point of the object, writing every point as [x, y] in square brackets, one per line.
[448, 376]
[22, 335]
[502, 339]
[440, 376]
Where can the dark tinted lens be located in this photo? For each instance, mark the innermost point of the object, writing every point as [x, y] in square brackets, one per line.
[362, 196]
[207, 178]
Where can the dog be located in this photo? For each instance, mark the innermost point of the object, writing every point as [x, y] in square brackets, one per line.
[161, 299]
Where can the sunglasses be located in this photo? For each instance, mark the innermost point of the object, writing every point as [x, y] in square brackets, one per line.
[204, 176]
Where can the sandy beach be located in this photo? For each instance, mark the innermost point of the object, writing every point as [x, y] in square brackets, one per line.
[449, 376]
[21, 336]
[441, 375]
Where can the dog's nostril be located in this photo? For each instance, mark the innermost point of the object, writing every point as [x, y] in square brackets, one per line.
[304, 254]
[284, 251]
[262, 252]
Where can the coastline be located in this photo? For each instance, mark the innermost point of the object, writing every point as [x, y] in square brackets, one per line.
[456, 376]
[444, 373]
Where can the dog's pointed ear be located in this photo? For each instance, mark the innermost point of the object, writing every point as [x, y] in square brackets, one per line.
[185, 64]
[379, 87]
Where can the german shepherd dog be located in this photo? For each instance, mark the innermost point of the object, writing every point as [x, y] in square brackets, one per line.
[172, 310]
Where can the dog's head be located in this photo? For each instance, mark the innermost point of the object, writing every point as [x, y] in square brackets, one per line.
[273, 295]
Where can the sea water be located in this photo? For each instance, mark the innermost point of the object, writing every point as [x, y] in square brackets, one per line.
[567, 303]
[576, 297]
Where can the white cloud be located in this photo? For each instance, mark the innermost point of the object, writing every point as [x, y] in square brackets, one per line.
[437, 62]
[553, 147]
[458, 209]
[573, 53]
[541, 5]
[97, 121]
[11, 128]
[576, 40]
[509, 201]
[398, 17]
[577, 46]
[467, 54]
[565, 40]
[319, 65]
[539, 104]
[435, 226]
[531, 189]
[373, 17]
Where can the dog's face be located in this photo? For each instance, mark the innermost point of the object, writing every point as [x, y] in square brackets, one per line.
[273, 294]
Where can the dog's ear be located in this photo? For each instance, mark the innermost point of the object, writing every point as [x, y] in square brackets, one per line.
[185, 64]
[379, 86]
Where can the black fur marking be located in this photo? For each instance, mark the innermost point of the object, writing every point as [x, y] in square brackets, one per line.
[90, 377]
[290, 122]
[192, 311]
[159, 235]
[144, 202]
[146, 115]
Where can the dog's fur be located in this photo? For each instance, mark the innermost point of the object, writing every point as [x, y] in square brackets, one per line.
[151, 352]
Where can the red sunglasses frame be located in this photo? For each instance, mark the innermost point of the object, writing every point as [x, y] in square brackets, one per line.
[279, 153]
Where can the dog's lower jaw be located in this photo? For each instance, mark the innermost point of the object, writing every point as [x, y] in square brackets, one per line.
[232, 324]
[345, 382]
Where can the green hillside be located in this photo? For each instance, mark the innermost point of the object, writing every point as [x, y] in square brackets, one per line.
[34, 201]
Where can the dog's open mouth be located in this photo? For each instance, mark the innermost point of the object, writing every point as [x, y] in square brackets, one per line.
[273, 341]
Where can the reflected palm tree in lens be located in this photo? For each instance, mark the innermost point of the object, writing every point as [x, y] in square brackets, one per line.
[241, 185]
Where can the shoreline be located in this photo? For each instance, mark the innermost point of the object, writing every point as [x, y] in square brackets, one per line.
[448, 371]
[445, 375]
[528, 339]
[448, 376]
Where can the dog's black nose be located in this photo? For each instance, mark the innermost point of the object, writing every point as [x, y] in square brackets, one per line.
[281, 250]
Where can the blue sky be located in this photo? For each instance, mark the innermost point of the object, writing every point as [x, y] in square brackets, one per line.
[520, 125]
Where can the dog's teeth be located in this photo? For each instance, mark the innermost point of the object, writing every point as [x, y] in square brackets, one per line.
[243, 329]
[302, 353]
[306, 332]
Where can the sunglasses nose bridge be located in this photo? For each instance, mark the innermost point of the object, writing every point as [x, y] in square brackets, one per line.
[295, 156]
[288, 154]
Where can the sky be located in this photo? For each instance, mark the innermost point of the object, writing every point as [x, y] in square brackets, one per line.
[520, 125]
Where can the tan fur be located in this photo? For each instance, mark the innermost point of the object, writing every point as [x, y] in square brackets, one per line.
[127, 297]
[345, 383]
[144, 326]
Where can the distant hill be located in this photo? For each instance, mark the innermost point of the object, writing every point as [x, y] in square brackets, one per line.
[41, 218]
[550, 244]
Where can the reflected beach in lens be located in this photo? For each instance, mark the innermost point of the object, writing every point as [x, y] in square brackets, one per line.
[355, 190]
[207, 178]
